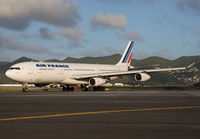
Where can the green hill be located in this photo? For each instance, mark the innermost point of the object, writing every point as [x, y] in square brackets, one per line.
[113, 59]
[22, 59]
[52, 60]
[151, 61]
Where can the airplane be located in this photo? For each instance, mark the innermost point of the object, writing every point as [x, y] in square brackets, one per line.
[85, 75]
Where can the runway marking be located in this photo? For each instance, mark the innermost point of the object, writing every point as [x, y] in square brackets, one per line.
[100, 112]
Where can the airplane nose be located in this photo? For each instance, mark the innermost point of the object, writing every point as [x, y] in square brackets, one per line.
[8, 73]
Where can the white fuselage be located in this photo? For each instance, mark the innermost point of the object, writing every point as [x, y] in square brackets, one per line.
[51, 72]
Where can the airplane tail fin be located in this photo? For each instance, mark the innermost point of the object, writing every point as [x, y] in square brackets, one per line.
[127, 55]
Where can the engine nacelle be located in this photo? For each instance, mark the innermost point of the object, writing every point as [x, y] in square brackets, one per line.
[97, 81]
[142, 77]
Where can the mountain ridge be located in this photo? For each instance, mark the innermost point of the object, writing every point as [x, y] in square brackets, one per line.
[113, 60]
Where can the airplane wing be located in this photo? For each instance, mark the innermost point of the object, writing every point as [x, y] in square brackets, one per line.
[143, 67]
[121, 73]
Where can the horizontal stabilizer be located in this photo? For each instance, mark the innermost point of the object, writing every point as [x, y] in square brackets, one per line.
[191, 65]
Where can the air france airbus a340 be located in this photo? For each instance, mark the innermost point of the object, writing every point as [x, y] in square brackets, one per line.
[70, 74]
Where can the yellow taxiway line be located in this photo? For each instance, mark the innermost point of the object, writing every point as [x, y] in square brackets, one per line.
[100, 112]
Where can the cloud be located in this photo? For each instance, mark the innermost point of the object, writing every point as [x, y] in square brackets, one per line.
[9, 44]
[18, 16]
[45, 33]
[139, 54]
[114, 0]
[115, 21]
[132, 35]
[92, 53]
[4, 56]
[152, 2]
[95, 53]
[96, 50]
[72, 33]
[185, 5]
[14, 24]
[74, 36]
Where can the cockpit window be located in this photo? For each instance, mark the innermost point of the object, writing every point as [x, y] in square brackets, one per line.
[14, 68]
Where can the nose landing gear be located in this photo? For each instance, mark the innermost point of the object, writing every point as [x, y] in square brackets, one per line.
[24, 87]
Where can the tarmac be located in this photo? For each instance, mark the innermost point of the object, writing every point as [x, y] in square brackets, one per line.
[100, 115]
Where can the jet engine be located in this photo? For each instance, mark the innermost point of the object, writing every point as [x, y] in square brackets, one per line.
[142, 77]
[97, 81]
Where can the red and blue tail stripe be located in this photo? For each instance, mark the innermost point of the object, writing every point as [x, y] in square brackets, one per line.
[128, 55]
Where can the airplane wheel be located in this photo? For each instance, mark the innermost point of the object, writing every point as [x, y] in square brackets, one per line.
[98, 88]
[84, 88]
[45, 90]
[67, 88]
[24, 89]
[64, 89]
[71, 88]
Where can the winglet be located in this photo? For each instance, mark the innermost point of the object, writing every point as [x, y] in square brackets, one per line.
[191, 65]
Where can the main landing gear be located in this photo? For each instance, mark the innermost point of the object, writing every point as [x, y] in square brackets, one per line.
[92, 88]
[67, 88]
[84, 87]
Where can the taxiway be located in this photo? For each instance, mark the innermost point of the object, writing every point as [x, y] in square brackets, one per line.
[117, 114]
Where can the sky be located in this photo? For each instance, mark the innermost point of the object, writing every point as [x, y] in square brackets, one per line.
[56, 29]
